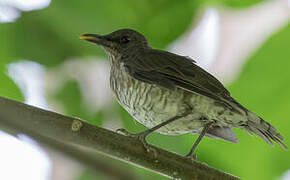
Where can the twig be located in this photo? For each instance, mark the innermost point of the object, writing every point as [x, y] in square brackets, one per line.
[38, 123]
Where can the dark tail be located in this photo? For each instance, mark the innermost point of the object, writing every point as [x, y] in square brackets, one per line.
[266, 131]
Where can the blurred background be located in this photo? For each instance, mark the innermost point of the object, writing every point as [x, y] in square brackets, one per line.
[245, 43]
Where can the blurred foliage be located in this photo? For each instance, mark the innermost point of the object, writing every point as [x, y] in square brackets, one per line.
[71, 98]
[88, 175]
[7, 87]
[236, 3]
[51, 36]
[264, 88]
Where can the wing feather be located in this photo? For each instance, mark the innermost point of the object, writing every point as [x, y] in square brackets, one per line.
[173, 71]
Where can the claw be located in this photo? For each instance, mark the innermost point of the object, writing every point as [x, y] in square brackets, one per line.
[141, 137]
[147, 146]
[191, 156]
[124, 132]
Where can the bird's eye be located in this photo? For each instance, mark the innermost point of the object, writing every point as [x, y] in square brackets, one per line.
[124, 39]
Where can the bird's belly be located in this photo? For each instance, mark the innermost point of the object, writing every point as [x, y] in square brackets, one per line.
[151, 105]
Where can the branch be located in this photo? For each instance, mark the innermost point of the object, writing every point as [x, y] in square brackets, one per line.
[52, 128]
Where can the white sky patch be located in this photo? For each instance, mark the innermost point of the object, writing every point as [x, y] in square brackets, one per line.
[242, 32]
[23, 155]
[22, 160]
[201, 43]
[8, 14]
[92, 77]
[9, 9]
[26, 5]
[286, 175]
[29, 76]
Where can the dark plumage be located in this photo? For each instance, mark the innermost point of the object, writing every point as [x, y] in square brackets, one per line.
[171, 94]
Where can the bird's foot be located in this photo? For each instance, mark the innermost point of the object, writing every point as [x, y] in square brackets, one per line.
[124, 132]
[141, 137]
[191, 156]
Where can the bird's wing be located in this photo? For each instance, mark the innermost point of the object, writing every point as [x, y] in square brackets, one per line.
[170, 71]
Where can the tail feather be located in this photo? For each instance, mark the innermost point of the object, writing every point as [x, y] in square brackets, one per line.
[265, 130]
[223, 133]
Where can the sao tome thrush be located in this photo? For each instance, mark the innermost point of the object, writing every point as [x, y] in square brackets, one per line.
[171, 95]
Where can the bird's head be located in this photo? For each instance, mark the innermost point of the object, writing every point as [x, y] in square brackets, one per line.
[118, 42]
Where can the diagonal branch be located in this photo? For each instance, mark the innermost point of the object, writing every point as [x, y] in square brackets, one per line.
[51, 128]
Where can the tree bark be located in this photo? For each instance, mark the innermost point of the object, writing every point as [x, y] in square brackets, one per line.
[63, 133]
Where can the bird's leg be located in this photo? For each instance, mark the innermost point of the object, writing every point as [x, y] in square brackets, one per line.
[142, 135]
[203, 132]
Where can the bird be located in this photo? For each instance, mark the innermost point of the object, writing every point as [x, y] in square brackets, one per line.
[170, 94]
